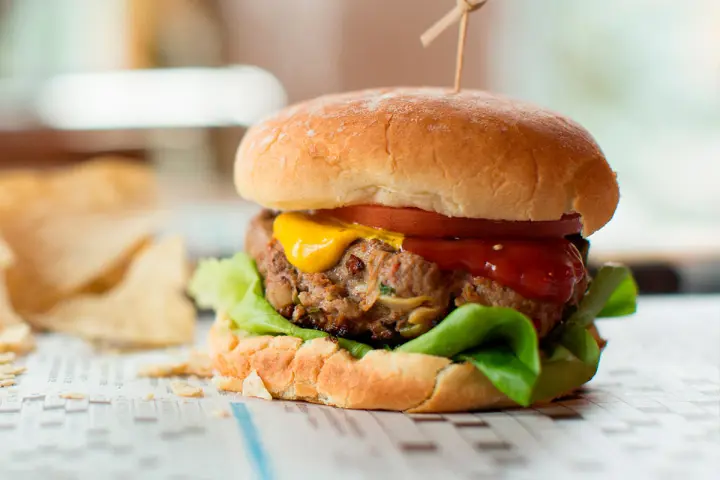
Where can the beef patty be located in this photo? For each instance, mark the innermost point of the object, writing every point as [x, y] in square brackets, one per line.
[378, 294]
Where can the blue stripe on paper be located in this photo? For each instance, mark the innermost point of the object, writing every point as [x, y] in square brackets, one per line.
[253, 445]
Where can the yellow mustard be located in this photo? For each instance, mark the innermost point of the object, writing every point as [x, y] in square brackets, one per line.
[314, 244]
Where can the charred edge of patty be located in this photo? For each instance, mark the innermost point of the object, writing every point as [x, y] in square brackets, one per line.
[381, 296]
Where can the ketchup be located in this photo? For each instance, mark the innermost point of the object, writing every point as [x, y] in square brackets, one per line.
[538, 269]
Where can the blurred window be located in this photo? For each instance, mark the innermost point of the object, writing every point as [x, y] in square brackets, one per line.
[643, 76]
[39, 38]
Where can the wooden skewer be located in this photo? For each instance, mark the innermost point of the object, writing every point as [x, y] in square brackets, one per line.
[460, 13]
[461, 50]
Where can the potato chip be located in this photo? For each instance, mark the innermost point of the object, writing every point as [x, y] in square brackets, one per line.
[7, 313]
[148, 308]
[74, 229]
[102, 185]
[59, 257]
[16, 338]
[7, 383]
[198, 364]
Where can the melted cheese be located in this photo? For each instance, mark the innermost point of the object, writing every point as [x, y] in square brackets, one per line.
[315, 244]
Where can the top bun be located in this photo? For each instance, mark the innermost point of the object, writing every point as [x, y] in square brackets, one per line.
[470, 154]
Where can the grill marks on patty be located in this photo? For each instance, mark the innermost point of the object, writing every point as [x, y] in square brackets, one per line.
[377, 294]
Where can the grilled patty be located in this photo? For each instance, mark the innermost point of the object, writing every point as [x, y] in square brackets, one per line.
[378, 294]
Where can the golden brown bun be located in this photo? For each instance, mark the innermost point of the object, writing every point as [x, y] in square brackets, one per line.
[319, 371]
[472, 154]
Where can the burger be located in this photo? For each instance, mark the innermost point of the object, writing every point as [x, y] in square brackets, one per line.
[419, 250]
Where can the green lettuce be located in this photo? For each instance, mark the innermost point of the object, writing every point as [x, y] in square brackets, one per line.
[609, 283]
[234, 286]
[623, 300]
[571, 362]
[502, 366]
[222, 284]
[500, 342]
[572, 354]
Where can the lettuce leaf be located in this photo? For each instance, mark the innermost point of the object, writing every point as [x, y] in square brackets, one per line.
[611, 282]
[472, 325]
[221, 284]
[234, 285]
[500, 342]
[506, 371]
[623, 300]
[568, 364]
[582, 345]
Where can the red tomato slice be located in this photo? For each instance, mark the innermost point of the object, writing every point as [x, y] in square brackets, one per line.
[414, 222]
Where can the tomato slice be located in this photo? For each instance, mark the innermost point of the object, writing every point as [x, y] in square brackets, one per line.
[414, 222]
[547, 269]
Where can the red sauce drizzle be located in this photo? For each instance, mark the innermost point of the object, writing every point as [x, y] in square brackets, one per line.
[538, 269]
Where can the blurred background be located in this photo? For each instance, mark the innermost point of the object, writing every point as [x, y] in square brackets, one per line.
[176, 82]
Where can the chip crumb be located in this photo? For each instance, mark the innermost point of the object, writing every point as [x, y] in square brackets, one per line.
[184, 389]
[7, 357]
[253, 386]
[198, 364]
[497, 247]
[16, 339]
[72, 396]
[12, 369]
[220, 413]
[7, 383]
[150, 396]
[228, 384]
[160, 370]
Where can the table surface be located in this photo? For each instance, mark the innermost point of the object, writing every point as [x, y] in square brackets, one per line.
[653, 411]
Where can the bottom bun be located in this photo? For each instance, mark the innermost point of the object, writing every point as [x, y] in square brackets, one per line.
[319, 371]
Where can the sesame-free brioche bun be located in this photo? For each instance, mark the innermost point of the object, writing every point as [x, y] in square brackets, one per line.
[470, 154]
[319, 371]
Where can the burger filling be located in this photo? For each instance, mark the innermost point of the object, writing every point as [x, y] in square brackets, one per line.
[383, 288]
[512, 299]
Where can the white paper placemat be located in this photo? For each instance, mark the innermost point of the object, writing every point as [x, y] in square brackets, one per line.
[653, 411]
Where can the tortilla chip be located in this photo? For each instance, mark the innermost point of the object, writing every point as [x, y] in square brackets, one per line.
[58, 257]
[148, 308]
[7, 313]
